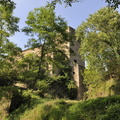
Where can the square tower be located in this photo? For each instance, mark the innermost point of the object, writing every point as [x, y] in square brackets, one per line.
[76, 63]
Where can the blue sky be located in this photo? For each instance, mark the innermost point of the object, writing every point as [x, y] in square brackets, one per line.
[73, 15]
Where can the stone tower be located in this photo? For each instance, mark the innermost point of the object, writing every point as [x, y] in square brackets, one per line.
[75, 61]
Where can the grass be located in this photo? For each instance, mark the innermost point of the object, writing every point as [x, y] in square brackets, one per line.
[107, 108]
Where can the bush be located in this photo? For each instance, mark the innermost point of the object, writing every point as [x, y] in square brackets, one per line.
[107, 108]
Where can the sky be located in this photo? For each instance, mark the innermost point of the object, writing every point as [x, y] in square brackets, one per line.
[74, 15]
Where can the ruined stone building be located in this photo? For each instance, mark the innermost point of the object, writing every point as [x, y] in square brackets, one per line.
[77, 64]
[75, 61]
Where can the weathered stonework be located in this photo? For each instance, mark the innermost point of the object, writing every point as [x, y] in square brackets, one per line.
[76, 63]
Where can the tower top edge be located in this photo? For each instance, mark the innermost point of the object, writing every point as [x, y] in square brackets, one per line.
[70, 29]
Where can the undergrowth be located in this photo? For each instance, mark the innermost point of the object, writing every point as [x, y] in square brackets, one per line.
[107, 108]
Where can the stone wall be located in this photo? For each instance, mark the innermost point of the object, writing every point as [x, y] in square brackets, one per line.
[74, 58]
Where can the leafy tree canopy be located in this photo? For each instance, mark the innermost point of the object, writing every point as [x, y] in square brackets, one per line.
[8, 50]
[8, 22]
[8, 4]
[100, 45]
[45, 27]
[112, 3]
[48, 33]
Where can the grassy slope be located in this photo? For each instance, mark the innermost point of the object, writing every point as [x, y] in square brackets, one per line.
[107, 108]
[4, 105]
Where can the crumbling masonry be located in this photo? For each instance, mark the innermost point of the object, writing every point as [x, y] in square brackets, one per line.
[76, 63]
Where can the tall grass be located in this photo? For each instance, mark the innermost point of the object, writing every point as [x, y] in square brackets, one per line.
[107, 108]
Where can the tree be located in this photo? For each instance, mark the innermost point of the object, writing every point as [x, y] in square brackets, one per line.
[100, 45]
[112, 3]
[8, 63]
[8, 4]
[8, 26]
[48, 34]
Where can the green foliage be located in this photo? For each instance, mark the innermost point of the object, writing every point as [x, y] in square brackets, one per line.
[57, 85]
[48, 72]
[8, 64]
[25, 107]
[100, 40]
[9, 4]
[8, 51]
[43, 110]
[99, 37]
[67, 2]
[47, 31]
[45, 27]
[112, 3]
[99, 109]
[27, 66]
[8, 23]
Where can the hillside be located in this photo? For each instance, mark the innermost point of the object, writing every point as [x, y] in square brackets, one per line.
[107, 108]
